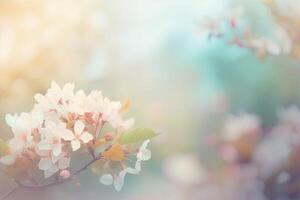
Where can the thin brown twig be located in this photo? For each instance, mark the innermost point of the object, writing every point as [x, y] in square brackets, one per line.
[10, 192]
[58, 182]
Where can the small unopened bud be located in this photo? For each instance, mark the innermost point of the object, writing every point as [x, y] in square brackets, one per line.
[65, 174]
[109, 136]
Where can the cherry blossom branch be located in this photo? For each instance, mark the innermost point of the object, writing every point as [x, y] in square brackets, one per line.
[58, 182]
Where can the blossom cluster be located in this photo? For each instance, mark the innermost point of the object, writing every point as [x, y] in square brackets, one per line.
[235, 29]
[62, 122]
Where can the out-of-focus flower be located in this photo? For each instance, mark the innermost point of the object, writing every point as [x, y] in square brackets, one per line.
[240, 136]
[117, 180]
[278, 144]
[239, 125]
[290, 118]
[184, 169]
[236, 29]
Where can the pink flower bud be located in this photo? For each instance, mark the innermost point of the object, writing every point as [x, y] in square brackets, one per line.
[65, 174]
[109, 136]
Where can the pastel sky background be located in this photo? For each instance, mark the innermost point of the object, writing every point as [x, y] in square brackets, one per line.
[153, 53]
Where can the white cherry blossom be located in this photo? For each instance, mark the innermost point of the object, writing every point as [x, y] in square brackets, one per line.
[56, 98]
[118, 181]
[52, 136]
[143, 154]
[60, 123]
[238, 125]
[50, 166]
[80, 135]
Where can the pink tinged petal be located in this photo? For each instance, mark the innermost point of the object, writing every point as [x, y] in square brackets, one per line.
[57, 149]
[86, 137]
[64, 163]
[45, 164]
[65, 174]
[8, 160]
[79, 127]
[67, 135]
[75, 145]
[119, 181]
[106, 179]
[144, 155]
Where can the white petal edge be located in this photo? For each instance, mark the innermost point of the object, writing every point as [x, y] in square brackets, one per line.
[10, 120]
[119, 181]
[57, 149]
[78, 127]
[86, 137]
[144, 155]
[106, 179]
[45, 164]
[67, 135]
[131, 170]
[75, 145]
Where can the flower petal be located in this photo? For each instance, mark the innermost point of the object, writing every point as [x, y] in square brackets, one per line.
[144, 155]
[57, 149]
[106, 179]
[144, 145]
[64, 163]
[131, 170]
[16, 144]
[43, 145]
[68, 91]
[67, 135]
[45, 164]
[75, 145]
[119, 181]
[78, 127]
[51, 171]
[86, 137]
[138, 165]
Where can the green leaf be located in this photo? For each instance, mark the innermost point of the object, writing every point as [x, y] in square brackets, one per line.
[3, 147]
[137, 135]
